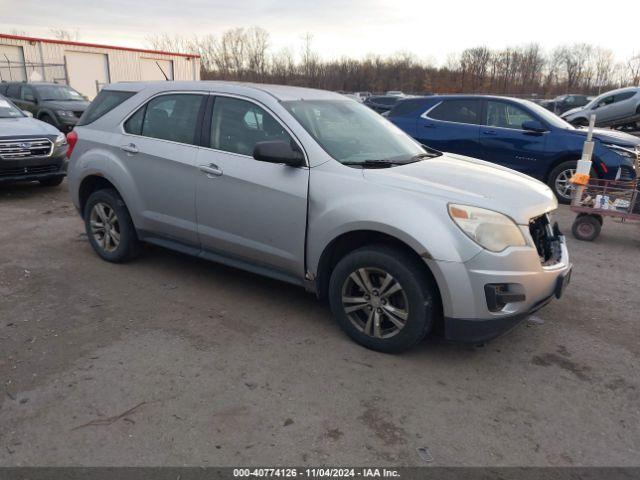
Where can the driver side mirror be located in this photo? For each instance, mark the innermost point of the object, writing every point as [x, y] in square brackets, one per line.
[27, 113]
[278, 151]
[533, 126]
[30, 98]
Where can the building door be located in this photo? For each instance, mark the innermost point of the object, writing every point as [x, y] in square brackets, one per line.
[153, 69]
[12, 68]
[88, 72]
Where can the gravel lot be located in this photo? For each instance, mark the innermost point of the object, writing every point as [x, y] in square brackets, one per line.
[222, 367]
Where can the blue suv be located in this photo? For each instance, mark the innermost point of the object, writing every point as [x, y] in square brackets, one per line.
[517, 134]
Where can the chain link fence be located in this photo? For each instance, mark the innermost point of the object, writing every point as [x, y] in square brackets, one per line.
[12, 71]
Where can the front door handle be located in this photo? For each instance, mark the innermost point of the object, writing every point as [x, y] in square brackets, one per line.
[212, 170]
[130, 148]
[429, 125]
[489, 132]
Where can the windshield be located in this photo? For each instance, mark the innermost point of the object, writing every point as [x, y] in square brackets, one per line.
[353, 133]
[549, 117]
[8, 110]
[58, 92]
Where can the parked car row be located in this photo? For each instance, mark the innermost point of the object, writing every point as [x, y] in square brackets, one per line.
[618, 108]
[514, 133]
[562, 103]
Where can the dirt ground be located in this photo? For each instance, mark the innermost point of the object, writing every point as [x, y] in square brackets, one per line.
[171, 360]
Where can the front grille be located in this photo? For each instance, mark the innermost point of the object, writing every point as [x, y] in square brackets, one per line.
[34, 170]
[546, 238]
[19, 148]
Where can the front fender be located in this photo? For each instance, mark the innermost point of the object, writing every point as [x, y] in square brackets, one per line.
[421, 222]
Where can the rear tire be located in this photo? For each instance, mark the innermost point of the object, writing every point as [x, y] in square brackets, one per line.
[109, 227]
[586, 228]
[51, 182]
[382, 299]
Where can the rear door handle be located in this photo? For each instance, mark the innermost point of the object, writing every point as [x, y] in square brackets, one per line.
[429, 125]
[489, 132]
[130, 148]
[212, 170]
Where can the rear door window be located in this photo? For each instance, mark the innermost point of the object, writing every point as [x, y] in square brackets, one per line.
[619, 97]
[27, 94]
[457, 111]
[104, 102]
[171, 117]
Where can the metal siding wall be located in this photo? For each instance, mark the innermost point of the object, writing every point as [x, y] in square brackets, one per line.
[124, 65]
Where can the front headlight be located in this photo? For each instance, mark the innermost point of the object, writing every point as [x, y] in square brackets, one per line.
[60, 140]
[622, 151]
[491, 230]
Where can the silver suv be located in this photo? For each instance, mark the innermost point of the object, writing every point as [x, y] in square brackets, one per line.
[317, 190]
[616, 108]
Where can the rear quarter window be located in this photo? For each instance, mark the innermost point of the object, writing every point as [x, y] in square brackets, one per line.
[13, 90]
[104, 102]
[406, 108]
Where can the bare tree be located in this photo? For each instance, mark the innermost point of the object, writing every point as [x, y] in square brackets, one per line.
[63, 34]
[257, 44]
[633, 67]
[244, 54]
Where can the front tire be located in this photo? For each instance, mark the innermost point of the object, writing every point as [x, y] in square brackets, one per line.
[48, 119]
[109, 227]
[559, 180]
[382, 299]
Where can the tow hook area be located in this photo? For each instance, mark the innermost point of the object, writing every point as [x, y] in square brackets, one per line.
[498, 295]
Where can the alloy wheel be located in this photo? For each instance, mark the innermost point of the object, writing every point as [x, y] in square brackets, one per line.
[563, 184]
[105, 227]
[375, 302]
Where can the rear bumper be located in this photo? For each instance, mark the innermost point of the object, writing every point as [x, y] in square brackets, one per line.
[39, 168]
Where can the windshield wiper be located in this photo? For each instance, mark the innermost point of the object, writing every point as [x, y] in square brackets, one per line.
[374, 163]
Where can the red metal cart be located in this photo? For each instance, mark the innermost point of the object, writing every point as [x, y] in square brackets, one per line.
[603, 198]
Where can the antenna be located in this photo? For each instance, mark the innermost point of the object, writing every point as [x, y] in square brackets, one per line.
[165, 75]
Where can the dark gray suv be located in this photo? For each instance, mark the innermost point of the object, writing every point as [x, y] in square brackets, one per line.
[58, 105]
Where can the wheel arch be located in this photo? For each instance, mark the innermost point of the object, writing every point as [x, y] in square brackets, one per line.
[350, 241]
[90, 184]
[572, 157]
[46, 113]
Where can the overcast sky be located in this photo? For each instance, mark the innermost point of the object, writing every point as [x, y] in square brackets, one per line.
[429, 29]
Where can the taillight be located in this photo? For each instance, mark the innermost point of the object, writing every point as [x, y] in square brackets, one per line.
[72, 139]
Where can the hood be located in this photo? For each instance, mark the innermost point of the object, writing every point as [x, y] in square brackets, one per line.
[610, 136]
[21, 126]
[74, 105]
[572, 111]
[469, 181]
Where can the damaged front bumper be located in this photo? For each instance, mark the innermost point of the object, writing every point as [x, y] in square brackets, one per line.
[491, 293]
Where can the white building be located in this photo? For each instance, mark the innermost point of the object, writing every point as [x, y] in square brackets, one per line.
[85, 66]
